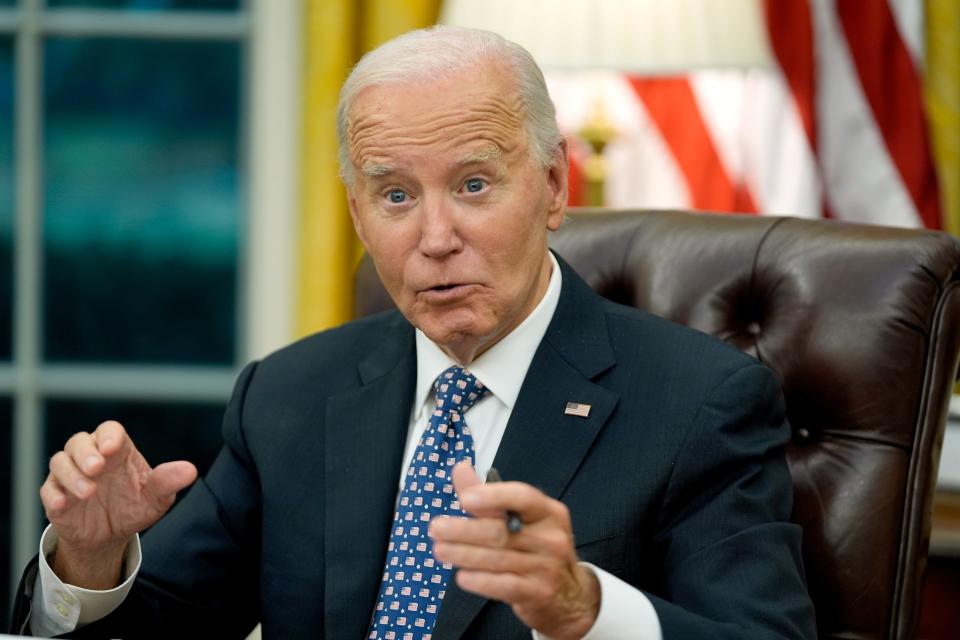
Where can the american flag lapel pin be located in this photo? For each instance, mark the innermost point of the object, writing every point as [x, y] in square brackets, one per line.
[577, 409]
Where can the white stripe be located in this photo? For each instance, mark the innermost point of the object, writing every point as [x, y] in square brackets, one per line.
[908, 14]
[719, 98]
[779, 166]
[862, 182]
[643, 171]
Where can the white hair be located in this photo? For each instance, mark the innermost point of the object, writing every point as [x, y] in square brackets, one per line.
[440, 51]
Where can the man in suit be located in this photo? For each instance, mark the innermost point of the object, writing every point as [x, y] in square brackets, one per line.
[644, 461]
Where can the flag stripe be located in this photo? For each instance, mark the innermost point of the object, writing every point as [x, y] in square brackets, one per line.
[892, 89]
[861, 182]
[791, 38]
[673, 107]
[837, 129]
[778, 162]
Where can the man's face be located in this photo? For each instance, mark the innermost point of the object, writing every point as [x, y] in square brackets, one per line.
[451, 206]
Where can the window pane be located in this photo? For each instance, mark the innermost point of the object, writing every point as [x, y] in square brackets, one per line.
[6, 444]
[6, 197]
[142, 200]
[162, 431]
[147, 5]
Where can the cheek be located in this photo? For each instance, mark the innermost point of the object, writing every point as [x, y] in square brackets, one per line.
[389, 253]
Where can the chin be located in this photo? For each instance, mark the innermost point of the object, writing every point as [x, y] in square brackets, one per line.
[455, 336]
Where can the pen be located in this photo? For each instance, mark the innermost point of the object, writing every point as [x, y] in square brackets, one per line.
[514, 523]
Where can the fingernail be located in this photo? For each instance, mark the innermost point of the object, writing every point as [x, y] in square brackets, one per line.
[90, 462]
[106, 443]
[82, 486]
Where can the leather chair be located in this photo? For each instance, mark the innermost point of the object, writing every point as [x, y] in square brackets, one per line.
[862, 325]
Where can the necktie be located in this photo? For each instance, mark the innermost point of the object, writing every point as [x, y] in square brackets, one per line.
[413, 582]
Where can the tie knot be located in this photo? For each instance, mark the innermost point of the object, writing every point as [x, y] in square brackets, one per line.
[457, 390]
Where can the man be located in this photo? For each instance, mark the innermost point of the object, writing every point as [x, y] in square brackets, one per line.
[643, 460]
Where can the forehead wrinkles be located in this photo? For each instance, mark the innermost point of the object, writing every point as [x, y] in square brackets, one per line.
[495, 119]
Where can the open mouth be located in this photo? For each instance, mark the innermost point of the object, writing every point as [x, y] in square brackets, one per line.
[446, 292]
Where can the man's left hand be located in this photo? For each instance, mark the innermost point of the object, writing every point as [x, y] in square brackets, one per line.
[535, 570]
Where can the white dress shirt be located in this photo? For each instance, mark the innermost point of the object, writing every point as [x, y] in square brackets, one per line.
[624, 611]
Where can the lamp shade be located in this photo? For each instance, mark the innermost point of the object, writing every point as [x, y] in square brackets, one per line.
[644, 37]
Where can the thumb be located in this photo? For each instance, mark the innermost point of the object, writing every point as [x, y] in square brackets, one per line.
[167, 479]
[464, 477]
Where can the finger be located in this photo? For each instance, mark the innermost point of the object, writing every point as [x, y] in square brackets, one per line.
[496, 498]
[494, 560]
[68, 475]
[54, 498]
[111, 438]
[491, 532]
[511, 588]
[167, 479]
[545, 537]
[82, 449]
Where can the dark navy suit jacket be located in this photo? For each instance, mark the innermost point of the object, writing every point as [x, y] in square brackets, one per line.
[676, 482]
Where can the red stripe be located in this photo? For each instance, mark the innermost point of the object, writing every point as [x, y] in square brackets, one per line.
[791, 37]
[892, 87]
[673, 107]
[575, 196]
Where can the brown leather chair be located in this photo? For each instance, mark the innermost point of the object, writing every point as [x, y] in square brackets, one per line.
[862, 325]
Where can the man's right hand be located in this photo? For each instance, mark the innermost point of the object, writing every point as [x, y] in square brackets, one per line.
[101, 491]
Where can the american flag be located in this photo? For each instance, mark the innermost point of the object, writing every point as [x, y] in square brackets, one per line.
[577, 409]
[836, 128]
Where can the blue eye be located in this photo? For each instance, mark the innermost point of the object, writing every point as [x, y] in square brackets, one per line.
[473, 185]
[397, 196]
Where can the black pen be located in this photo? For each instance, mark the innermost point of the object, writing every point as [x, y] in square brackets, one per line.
[514, 523]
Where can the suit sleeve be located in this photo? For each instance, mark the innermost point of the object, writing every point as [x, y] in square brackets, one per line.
[199, 575]
[731, 559]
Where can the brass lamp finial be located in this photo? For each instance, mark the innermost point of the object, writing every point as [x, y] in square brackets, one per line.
[597, 131]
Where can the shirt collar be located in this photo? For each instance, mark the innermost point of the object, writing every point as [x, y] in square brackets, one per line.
[501, 368]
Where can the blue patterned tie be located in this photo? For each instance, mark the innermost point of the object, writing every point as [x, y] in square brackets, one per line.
[413, 582]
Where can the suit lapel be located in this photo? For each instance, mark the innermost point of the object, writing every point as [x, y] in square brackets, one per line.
[366, 429]
[543, 446]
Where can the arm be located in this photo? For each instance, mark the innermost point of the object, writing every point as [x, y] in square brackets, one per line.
[732, 563]
[730, 558]
[60, 608]
[198, 561]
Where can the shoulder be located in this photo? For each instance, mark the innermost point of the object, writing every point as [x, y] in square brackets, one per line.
[332, 356]
[651, 341]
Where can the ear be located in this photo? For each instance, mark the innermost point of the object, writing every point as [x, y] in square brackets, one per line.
[557, 174]
[355, 216]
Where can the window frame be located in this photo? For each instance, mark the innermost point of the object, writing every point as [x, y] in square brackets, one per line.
[270, 43]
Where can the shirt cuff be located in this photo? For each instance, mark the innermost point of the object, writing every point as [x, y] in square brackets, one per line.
[66, 607]
[625, 612]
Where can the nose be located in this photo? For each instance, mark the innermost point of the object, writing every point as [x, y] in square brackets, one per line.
[439, 235]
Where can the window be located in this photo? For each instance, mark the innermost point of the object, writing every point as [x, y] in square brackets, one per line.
[5, 481]
[142, 201]
[129, 138]
[6, 197]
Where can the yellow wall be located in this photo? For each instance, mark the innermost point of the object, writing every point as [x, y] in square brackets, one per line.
[337, 33]
[942, 86]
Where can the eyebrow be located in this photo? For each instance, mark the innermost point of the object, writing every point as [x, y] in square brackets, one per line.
[376, 170]
[484, 155]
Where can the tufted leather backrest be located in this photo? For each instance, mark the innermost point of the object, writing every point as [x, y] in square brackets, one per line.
[862, 325]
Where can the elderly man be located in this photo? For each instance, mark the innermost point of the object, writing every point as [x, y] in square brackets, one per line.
[645, 484]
